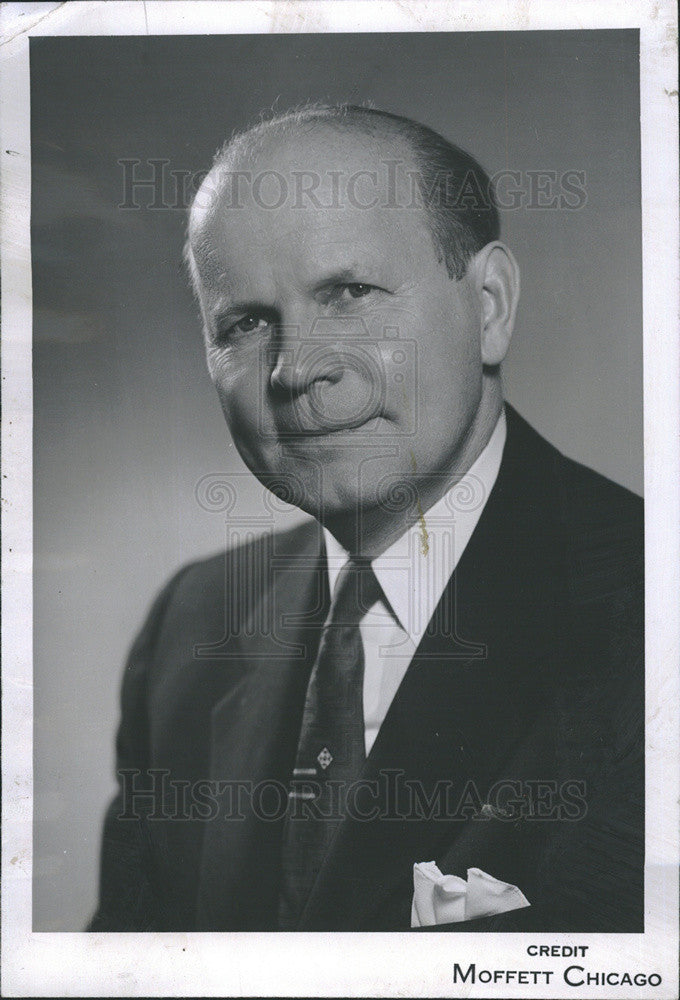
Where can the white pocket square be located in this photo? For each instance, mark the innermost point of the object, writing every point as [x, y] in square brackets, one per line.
[448, 899]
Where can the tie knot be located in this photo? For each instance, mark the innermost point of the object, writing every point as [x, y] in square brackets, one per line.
[356, 591]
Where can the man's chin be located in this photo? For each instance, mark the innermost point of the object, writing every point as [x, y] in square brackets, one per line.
[332, 482]
[335, 504]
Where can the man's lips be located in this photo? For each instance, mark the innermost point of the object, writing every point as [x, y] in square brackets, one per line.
[296, 431]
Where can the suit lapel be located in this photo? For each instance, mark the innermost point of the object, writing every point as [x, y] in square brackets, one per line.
[455, 722]
[255, 729]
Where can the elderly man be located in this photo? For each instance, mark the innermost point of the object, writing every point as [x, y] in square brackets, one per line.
[424, 706]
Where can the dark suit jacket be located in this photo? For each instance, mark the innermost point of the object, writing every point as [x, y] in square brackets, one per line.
[531, 671]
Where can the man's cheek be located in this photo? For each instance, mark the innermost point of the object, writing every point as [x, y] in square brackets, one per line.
[236, 380]
[224, 366]
[242, 414]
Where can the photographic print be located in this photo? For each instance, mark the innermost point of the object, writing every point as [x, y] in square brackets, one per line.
[345, 407]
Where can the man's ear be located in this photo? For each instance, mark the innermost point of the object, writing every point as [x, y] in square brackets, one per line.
[497, 275]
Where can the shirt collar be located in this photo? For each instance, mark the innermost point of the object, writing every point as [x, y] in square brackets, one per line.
[415, 569]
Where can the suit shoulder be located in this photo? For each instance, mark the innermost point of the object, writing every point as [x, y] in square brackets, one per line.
[600, 684]
[582, 494]
[203, 583]
[211, 601]
[589, 499]
[602, 525]
[598, 531]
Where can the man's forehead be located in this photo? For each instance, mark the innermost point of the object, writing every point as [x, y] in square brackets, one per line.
[320, 147]
[306, 171]
[240, 264]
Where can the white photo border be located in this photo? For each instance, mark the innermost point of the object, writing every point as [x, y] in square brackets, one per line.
[371, 965]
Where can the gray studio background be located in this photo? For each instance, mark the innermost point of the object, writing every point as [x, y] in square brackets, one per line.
[126, 423]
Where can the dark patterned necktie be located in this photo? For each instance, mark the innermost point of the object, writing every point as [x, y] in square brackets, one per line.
[331, 748]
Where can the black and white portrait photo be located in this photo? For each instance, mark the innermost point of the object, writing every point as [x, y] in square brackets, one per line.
[345, 500]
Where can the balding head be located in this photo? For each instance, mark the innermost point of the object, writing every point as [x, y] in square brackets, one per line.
[421, 170]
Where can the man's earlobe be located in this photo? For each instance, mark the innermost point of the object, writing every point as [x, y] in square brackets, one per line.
[499, 283]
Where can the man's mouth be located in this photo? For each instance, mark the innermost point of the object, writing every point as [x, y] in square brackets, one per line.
[289, 431]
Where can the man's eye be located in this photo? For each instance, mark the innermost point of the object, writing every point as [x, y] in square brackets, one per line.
[248, 324]
[341, 293]
[358, 290]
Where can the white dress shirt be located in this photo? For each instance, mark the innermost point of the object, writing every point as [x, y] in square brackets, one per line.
[413, 573]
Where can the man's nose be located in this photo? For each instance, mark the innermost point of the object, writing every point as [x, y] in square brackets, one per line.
[300, 359]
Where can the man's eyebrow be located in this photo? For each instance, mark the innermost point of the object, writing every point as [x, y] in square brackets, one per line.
[344, 275]
[227, 311]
